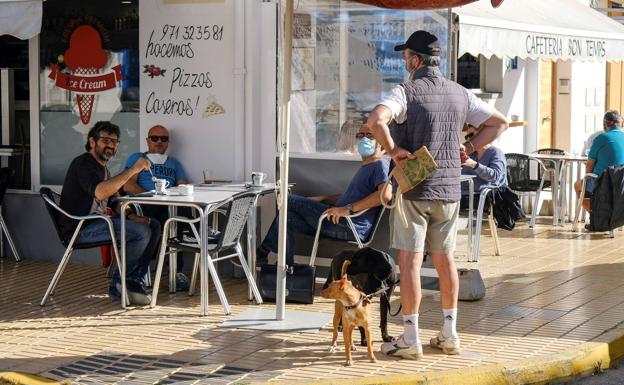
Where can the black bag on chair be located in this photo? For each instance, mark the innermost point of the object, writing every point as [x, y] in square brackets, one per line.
[299, 283]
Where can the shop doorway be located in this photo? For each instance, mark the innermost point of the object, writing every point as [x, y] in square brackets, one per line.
[547, 104]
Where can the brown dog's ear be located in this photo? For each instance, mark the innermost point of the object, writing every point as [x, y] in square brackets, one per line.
[345, 265]
[343, 280]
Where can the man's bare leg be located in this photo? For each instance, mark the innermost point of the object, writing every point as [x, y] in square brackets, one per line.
[447, 339]
[408, 345]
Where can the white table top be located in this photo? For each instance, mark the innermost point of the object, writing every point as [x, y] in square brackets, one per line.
[11, 151]
[570, 157]
[199, 197]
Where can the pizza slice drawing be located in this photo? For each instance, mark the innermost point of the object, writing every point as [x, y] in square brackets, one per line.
[213, 108]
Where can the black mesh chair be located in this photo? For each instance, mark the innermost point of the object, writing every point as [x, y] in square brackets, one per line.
[52, 203]
[236, 217]
[550, 164]
[6, 174]
[519, 178]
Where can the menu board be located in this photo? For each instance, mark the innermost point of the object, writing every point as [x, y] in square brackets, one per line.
[186, 82]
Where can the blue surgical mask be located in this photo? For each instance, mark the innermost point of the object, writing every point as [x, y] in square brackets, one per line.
[367, 147]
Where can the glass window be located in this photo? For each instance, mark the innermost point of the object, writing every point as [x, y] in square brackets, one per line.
[15, 147]
[343, 64]
[89, 54]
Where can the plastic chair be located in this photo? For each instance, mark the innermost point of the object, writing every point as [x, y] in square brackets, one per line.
[519, 178]
[52, 203]
[480, 208]
[349, 218]
[236, 218]
[6, 174]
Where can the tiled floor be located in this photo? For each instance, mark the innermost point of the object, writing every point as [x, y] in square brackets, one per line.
[550, 290]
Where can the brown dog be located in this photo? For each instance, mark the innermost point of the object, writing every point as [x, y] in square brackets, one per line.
[354, 309]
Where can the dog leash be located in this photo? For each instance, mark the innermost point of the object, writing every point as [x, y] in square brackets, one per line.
[384, 296]
[358, 303]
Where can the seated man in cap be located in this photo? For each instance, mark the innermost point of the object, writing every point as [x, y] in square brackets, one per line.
[489, 166]
[606, 150]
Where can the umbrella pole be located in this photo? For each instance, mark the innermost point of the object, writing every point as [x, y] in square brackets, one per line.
[280, 296]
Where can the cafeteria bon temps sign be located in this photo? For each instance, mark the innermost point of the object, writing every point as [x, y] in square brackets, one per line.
[570, 47]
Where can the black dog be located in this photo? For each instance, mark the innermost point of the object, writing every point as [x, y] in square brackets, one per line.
[370, 270]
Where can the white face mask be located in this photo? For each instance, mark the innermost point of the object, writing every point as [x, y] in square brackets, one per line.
[157, 158]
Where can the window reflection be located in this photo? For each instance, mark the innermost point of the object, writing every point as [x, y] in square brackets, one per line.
[343, 63]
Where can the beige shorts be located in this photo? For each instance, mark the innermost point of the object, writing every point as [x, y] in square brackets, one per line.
[432, 226]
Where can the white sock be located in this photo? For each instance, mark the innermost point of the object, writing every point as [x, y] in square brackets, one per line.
[410, 326]
[449, 328]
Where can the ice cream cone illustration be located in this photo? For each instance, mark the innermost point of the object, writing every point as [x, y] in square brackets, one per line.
[85, 56]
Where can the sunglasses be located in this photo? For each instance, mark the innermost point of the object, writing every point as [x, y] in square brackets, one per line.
[360, 135]
[106, 140]
[155, 138]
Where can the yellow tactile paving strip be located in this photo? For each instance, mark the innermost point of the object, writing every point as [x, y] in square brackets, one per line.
[551, 290]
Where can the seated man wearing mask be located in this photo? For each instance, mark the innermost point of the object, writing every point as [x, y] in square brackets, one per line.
[488, 164]
[363, 192]
[163, 167]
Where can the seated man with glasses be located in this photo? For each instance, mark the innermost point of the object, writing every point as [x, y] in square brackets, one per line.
[88, 188]
[363, 192]
[162, 167]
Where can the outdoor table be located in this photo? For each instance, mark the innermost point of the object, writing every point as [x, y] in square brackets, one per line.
[559, 184]
[203, 200]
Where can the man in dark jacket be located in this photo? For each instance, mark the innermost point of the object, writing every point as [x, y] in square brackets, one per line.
[87, 189]
[435, 110]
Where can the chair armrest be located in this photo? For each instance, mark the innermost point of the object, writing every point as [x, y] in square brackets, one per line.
[541, 163]
[75, 217]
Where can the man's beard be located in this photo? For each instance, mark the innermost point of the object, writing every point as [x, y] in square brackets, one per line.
[103, 156]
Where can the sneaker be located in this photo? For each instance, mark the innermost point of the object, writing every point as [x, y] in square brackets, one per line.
[113, 294]
[449, 345]
[400, 348]
[182, 282]
[262, 256]
[139, 298]
[214, 234]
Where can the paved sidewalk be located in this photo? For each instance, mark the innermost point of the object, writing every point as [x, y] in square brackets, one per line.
[554, 298]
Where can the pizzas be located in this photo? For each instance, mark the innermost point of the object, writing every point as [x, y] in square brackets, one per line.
[213, 108]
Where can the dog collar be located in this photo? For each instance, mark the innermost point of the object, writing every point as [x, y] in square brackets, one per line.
[358, 303]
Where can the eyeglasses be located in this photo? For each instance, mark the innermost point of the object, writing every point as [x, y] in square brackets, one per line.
[360, 135]
[155, 138]
[106, 140]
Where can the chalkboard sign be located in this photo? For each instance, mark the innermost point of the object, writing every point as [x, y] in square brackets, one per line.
[187, 77]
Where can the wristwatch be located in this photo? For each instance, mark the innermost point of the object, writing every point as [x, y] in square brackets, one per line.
[350, 208]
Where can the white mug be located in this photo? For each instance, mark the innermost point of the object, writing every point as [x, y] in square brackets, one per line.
[185, 189]
[160, 185]
[257, 178]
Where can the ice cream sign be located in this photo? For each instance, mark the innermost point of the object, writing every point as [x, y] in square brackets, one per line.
[85, 59]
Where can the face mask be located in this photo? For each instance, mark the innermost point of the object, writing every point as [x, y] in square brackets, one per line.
[367, 147]
[157, 158]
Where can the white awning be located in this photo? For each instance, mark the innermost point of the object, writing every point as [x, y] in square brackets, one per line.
[20, 18]
[546, 29]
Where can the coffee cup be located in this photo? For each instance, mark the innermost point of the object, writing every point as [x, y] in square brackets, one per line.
[257, 178]
[185, 189]
[160, 185]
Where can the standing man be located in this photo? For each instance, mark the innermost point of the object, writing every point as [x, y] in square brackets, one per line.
[435, 110]
[87, 189]
[163, 167]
